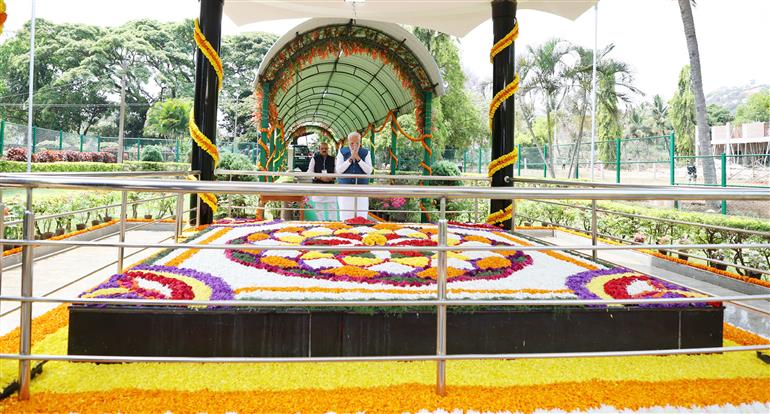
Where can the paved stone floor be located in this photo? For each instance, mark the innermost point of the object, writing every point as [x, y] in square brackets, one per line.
[757, 321]
[69, 273]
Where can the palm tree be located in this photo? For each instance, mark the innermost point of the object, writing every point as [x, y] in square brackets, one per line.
[543, 72]
[704, 139]
[659, 116]
[613, 85]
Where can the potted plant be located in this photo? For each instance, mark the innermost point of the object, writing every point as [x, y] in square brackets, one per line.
[683, 252]
[718, 256]
[148, 216]
[663, 240]
[753, 258]
[80, 226]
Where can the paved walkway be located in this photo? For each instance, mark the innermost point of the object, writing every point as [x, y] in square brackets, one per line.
[70, 273]
[736, 315]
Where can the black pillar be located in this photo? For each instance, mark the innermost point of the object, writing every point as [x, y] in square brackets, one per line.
[503, 72]
[206, 99]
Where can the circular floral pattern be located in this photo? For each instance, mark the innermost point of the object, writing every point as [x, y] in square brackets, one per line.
[162, 282]
[621, 283]
[402, 268]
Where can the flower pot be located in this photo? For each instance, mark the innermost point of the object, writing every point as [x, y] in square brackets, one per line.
[46, 235]
[107, 219]
[663, 252]
[80, 226]
[683, 257]
[527, 224]
[753, 274]
[718, 266]
[59, 232]
[8, 247]
[148, 216]
[95, 222]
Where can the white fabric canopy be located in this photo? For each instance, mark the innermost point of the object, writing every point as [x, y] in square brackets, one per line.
[454, 17]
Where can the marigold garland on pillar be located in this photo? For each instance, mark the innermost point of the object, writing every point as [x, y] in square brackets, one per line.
[199, 137]
[507, 92]
[3, 15]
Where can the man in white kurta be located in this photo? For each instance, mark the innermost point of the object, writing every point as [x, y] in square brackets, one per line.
[322, 164]
[353, 160]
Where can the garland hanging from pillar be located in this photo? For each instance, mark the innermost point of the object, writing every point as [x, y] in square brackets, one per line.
[197, 135]
[510, 158]
[3, 15]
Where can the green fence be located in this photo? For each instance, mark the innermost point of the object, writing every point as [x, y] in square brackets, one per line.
[648, 160]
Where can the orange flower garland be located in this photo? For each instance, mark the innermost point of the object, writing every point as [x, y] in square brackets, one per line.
[3, 15]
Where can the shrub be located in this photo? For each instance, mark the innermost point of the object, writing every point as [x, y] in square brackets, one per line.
[445, 168]
[232, 161]
[71, 156]
[109, 157]
[16, 154]
[152, 153]
[47, 156]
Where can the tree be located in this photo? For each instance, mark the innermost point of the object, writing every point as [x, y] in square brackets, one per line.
[241, 57]
[682, 113]
[718, 115]
[755, 109]
[659, 122]
[169, 118]
[704, 135]
[543, 75]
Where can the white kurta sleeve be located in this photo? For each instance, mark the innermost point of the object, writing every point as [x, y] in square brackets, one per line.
[366, 164]
[340, 165]
[311, 166]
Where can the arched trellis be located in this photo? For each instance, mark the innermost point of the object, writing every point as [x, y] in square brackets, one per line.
[347, 76]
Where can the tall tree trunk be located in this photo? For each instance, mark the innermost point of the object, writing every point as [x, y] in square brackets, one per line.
[704, 139]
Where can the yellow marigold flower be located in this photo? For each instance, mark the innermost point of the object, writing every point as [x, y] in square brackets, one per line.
[387, 226]
[279, 261]
[317, 255]
[294, 239]
[257, 237]
[361, 261]
[432, 273]
[493, 262]
[412, 261]
[352, 271]
[479, 239]
[375, 239]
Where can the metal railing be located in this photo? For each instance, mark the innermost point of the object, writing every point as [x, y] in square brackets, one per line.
[180, 187]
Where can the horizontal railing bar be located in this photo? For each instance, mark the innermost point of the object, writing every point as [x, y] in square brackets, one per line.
[387, 303]
[412, 358]
[657, 247]
[382, 248]
[114, 173]
[496, 193]
[86, 210]
[665, 220]
[338, 175]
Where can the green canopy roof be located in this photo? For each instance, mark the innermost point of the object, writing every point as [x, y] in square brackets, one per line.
[345, 75]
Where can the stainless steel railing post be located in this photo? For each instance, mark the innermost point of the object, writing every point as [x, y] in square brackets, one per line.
[593, 228]
[122, 227]
[441, 281]
[25, 324]
[178, 219]
[2, 234]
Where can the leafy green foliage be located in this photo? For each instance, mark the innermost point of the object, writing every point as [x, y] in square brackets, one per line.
[625, 227]
[445, 168]
[152, 153]
[682, 113]
[755, 109]
[169, 118]
[718, 115]
[231, 161]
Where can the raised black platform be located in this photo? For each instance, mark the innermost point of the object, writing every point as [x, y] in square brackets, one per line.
[218, 332]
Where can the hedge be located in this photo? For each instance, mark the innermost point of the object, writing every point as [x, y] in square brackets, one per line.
[652, 231]
[18, 166]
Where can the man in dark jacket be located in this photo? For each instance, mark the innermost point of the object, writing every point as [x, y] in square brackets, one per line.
[322, 164]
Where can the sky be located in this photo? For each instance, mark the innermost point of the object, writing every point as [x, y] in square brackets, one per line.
[647, 34]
